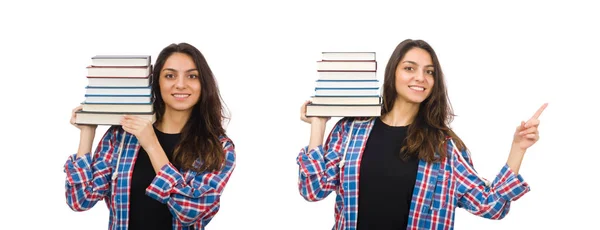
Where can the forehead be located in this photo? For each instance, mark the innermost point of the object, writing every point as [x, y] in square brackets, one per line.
[179, 61]
[419, 56]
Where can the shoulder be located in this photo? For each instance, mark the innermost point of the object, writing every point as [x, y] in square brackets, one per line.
[225, 139]
[457, 152]
[346, 121]
[227, 143]
[112, 133]
[344, 125]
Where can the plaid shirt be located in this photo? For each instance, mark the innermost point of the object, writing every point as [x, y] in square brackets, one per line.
[439, 188]
[192, 198]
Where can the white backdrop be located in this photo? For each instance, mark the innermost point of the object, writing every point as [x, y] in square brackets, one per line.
[502, 61]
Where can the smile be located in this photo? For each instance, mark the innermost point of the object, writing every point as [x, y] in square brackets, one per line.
[417, 88]
[180, 95]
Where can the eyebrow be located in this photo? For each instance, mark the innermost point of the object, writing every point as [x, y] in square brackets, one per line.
[189, 70]
[414, 63]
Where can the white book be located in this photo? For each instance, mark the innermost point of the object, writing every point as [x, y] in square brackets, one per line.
[356, 56]
[347, 84]
[118, 108]
[146, 91]
[118, 99]
[346, 66]
[118, 82]
[346, 92]
[347, 75]
[343, 110]
[99, 118]
[332, 100]
[121, 60]
[123, 71]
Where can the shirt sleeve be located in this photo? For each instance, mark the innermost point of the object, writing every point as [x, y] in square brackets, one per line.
[88, 178]
[319, 167]
[483, 198]
[198, 198]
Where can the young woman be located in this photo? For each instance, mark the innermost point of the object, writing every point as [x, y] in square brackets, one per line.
[163, 175]
[407, 169]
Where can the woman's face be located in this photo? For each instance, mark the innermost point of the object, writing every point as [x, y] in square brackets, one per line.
[414, 76]
[179, 83]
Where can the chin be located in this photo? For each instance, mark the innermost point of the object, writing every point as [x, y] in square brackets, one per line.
[417, 100]
[179, 107]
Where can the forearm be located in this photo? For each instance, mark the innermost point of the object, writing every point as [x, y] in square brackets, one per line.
[190, 200]
[86, 139]
[317, 132]
[515, 158]
[157, 155]
[318, 173]
[482, 197]
[87, 181]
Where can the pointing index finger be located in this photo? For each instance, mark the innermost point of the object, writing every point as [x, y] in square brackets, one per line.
[539, 111]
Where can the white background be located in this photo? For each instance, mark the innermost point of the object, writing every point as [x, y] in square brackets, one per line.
[501, 60]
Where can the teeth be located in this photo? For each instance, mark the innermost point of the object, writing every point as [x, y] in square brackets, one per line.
[181, 95]
[417, 88]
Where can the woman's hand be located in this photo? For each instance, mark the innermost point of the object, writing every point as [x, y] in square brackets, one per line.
[527, 133]
[83, 128]
[141, 128]
[311, 120]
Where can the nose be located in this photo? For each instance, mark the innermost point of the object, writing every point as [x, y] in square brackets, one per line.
[419, 76]
[180, 82]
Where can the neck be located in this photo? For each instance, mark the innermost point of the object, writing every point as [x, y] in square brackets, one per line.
[173, 121]
[402, 114]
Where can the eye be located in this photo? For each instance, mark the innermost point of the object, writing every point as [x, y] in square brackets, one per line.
[430, 72]
[168, 75]
[408, 68]
[193, 76]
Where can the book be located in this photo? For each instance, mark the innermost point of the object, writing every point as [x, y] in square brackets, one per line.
[119, 71]
[345, 56]
[118, 107]
[108, 118]
[345, 100]
[346, 75]
[348, 65]
[117, 99]
[347, 83]
[344, 110]
[347, 86]
[121, 60]
[117, 85]
[119, 81]
[112, 91]
[341, 92]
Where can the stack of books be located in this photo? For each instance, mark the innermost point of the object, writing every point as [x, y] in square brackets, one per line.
[347, 86]
[117, 85]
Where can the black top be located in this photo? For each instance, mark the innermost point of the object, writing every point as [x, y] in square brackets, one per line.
[147, 213]
[386, 182]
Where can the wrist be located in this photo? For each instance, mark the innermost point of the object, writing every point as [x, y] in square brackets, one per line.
[318, 125]
[516, 150]
[152, 146]
[88, 130]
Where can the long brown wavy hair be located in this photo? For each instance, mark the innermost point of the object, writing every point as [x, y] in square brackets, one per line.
[427, 134]
[200, 134]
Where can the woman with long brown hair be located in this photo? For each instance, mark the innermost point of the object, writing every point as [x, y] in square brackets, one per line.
[167, 174]
[407, 169]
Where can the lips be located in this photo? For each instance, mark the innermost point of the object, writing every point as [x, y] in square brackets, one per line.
[181, 95]
[416, 88]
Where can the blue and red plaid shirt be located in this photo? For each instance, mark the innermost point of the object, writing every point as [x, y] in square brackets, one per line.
[193, 198]
[439, 189]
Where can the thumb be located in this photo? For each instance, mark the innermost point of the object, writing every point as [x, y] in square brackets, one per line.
[522, 126]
